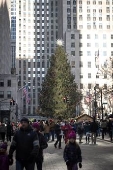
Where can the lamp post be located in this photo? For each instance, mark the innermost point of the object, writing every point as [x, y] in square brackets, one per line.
[101, 104]
[95, 103]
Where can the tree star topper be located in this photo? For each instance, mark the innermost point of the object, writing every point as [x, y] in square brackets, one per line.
[60, 42]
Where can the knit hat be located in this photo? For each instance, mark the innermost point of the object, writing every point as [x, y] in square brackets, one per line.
[3, 146]
[36, 125]
[72, 135]
[25, 120]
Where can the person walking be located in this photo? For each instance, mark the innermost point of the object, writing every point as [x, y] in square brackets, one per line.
[72, 153]
[87, 131]
[52, 129]
[43, 145]
[9, 131]
[58, 135]
[26, 144]
[94, 128]
[80, 131]
[46, 130]
[4, 159]
[2, 131]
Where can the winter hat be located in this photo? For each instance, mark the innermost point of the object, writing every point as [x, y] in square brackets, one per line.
[36, 125]
[72, 135]
[3, 146]
[25, 120]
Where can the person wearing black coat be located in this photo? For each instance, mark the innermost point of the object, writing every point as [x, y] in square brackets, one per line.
[9, 131]
[58, 135]
[26, 144]
[94, 129]
[72, 153]
[42, 143]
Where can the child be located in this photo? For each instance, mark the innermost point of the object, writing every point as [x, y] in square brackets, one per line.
[4, 159]
[72, 153]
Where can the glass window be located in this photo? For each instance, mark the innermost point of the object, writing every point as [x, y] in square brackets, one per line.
[72, 36]
[88, 36]
[104, 36]
[72, 44]
[80, 53]
[81, 76]
[88, 53]
[89, 86]
[73, 53]
[81, 86]
[111, 36]
[104, 44]
[1, 94]
[9, 83]
[73, 64]
[1, 83]
[104, 53]
[80, 64]
[89, 75]
[9, 94]
[89, 64]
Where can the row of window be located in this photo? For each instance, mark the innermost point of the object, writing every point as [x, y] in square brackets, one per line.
[96, 36]
[89, 76]
[8, 94]
[90, 86]
[2, 83]
[89, 45]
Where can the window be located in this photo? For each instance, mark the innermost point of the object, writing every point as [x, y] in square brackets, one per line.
[100, 2]
[96, 36]
[111, 53]
[81, 86]
[80, 53]
[100, 18]
[81, 76]
[104, 44]
[104, 36]
[88, 2]
[89, 86]
[89, 64]
[94, 2]
[89, 75]
[68, 2]
[111, 36]
[72, 36]
[80, 45]
[73, 64]
[9, 94]
[105, 86]
[80, 36]
[80, 64]
[73, 53]
[9, 83]
[88, 53]
[72, 44]
[1, 83]
[108, 26]
[111, 44]
[108, 17]
[88, 44]
[88, 36]
[105, 76]
[104, 53]
[97, 76]
[1, 94]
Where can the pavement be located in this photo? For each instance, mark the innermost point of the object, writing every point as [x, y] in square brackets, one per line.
[95, 157]
[106, 138]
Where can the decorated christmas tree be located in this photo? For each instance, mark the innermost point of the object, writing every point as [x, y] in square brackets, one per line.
[59, 94]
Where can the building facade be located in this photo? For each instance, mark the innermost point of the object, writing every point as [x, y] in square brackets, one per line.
[87, 30]
[37, 31]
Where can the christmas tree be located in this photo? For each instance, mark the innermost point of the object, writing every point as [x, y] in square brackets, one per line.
[59, 94]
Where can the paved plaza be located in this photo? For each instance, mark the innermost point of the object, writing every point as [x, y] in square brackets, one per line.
[95, 157]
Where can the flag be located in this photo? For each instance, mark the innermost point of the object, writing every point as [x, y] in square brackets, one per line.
[26, 94]
[97, 58]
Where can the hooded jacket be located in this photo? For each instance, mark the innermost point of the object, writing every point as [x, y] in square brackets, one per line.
[26, 144]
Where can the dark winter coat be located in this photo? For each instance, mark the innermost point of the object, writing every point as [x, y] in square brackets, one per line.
[4, 162]
[42, 145]
[72, 153]
[57, 129]
[26, 144]
[94, 127]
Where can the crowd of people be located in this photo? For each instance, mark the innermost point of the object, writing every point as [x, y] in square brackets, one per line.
[31, 138]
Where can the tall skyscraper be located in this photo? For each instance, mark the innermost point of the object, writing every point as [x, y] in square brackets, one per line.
[13, 35]
[87, 29]
[36, 32]
[5, 50]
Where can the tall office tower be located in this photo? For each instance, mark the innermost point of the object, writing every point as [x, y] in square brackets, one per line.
[8, 82]
[5, 53]
[36, 34]
[87, 29]
[13, 35]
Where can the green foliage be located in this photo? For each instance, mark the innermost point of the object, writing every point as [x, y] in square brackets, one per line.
[58, 83]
